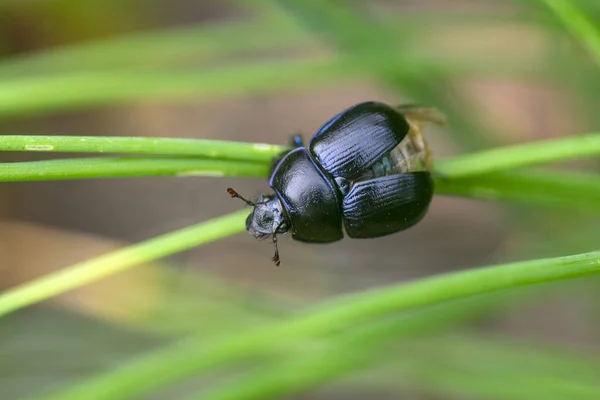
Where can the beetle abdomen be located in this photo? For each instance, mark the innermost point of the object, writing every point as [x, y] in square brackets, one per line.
[411, 155]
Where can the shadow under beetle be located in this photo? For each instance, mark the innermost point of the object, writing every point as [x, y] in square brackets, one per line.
[368, 169]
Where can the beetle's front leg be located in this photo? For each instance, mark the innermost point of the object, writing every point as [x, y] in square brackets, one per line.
[275, 258]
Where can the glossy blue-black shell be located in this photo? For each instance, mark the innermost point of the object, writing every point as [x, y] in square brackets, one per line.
[356, 138]
[309, 198]
[387, 204]
[345, 147]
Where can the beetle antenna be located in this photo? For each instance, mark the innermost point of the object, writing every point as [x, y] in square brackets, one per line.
[275, 258]
[235, 194]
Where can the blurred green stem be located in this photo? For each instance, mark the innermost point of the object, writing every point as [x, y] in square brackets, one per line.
[542, 368]
[579, 24]
[30, 95]
[568, 190]
[149, 50]
[351, 350]
[190, 357]
[84, 87]
[206, 43]
[521, 155]
[469, 366]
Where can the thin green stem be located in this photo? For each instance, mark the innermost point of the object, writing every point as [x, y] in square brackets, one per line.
[121, 167]
[554, 189]
[545, 188]
[578, 23]
[509, 157]
[221, 149]
[190, 357]
[117, 261]
[468, 165]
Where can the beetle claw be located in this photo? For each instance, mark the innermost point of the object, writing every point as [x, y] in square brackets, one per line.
[276, 261]
[275, 258]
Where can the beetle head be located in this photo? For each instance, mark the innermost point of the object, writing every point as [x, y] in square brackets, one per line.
[266, 219]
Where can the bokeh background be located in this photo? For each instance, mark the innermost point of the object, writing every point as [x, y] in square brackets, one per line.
[504, 72]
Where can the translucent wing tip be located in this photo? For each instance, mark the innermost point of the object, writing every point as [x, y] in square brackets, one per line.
[423, 114]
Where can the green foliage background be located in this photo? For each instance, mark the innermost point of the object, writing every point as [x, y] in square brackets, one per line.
[417, 338]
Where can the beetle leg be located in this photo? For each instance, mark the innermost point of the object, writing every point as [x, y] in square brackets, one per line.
[297, 141]
[275, 258]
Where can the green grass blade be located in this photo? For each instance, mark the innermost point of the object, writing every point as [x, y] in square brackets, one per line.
[42, 94]
[156, 48]
[423, 361]
[578, 23]
[221, 149]
[26, 95]
[108, 264]
[30, 95]
[126, 167]
[552, 188]
[522, 155]
[177, 362]
[298, 375]
[545, 188]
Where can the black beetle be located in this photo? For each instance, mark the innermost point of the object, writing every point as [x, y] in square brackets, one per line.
[368, 169]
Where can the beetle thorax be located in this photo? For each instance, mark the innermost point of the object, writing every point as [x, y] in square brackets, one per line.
[267, 218]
